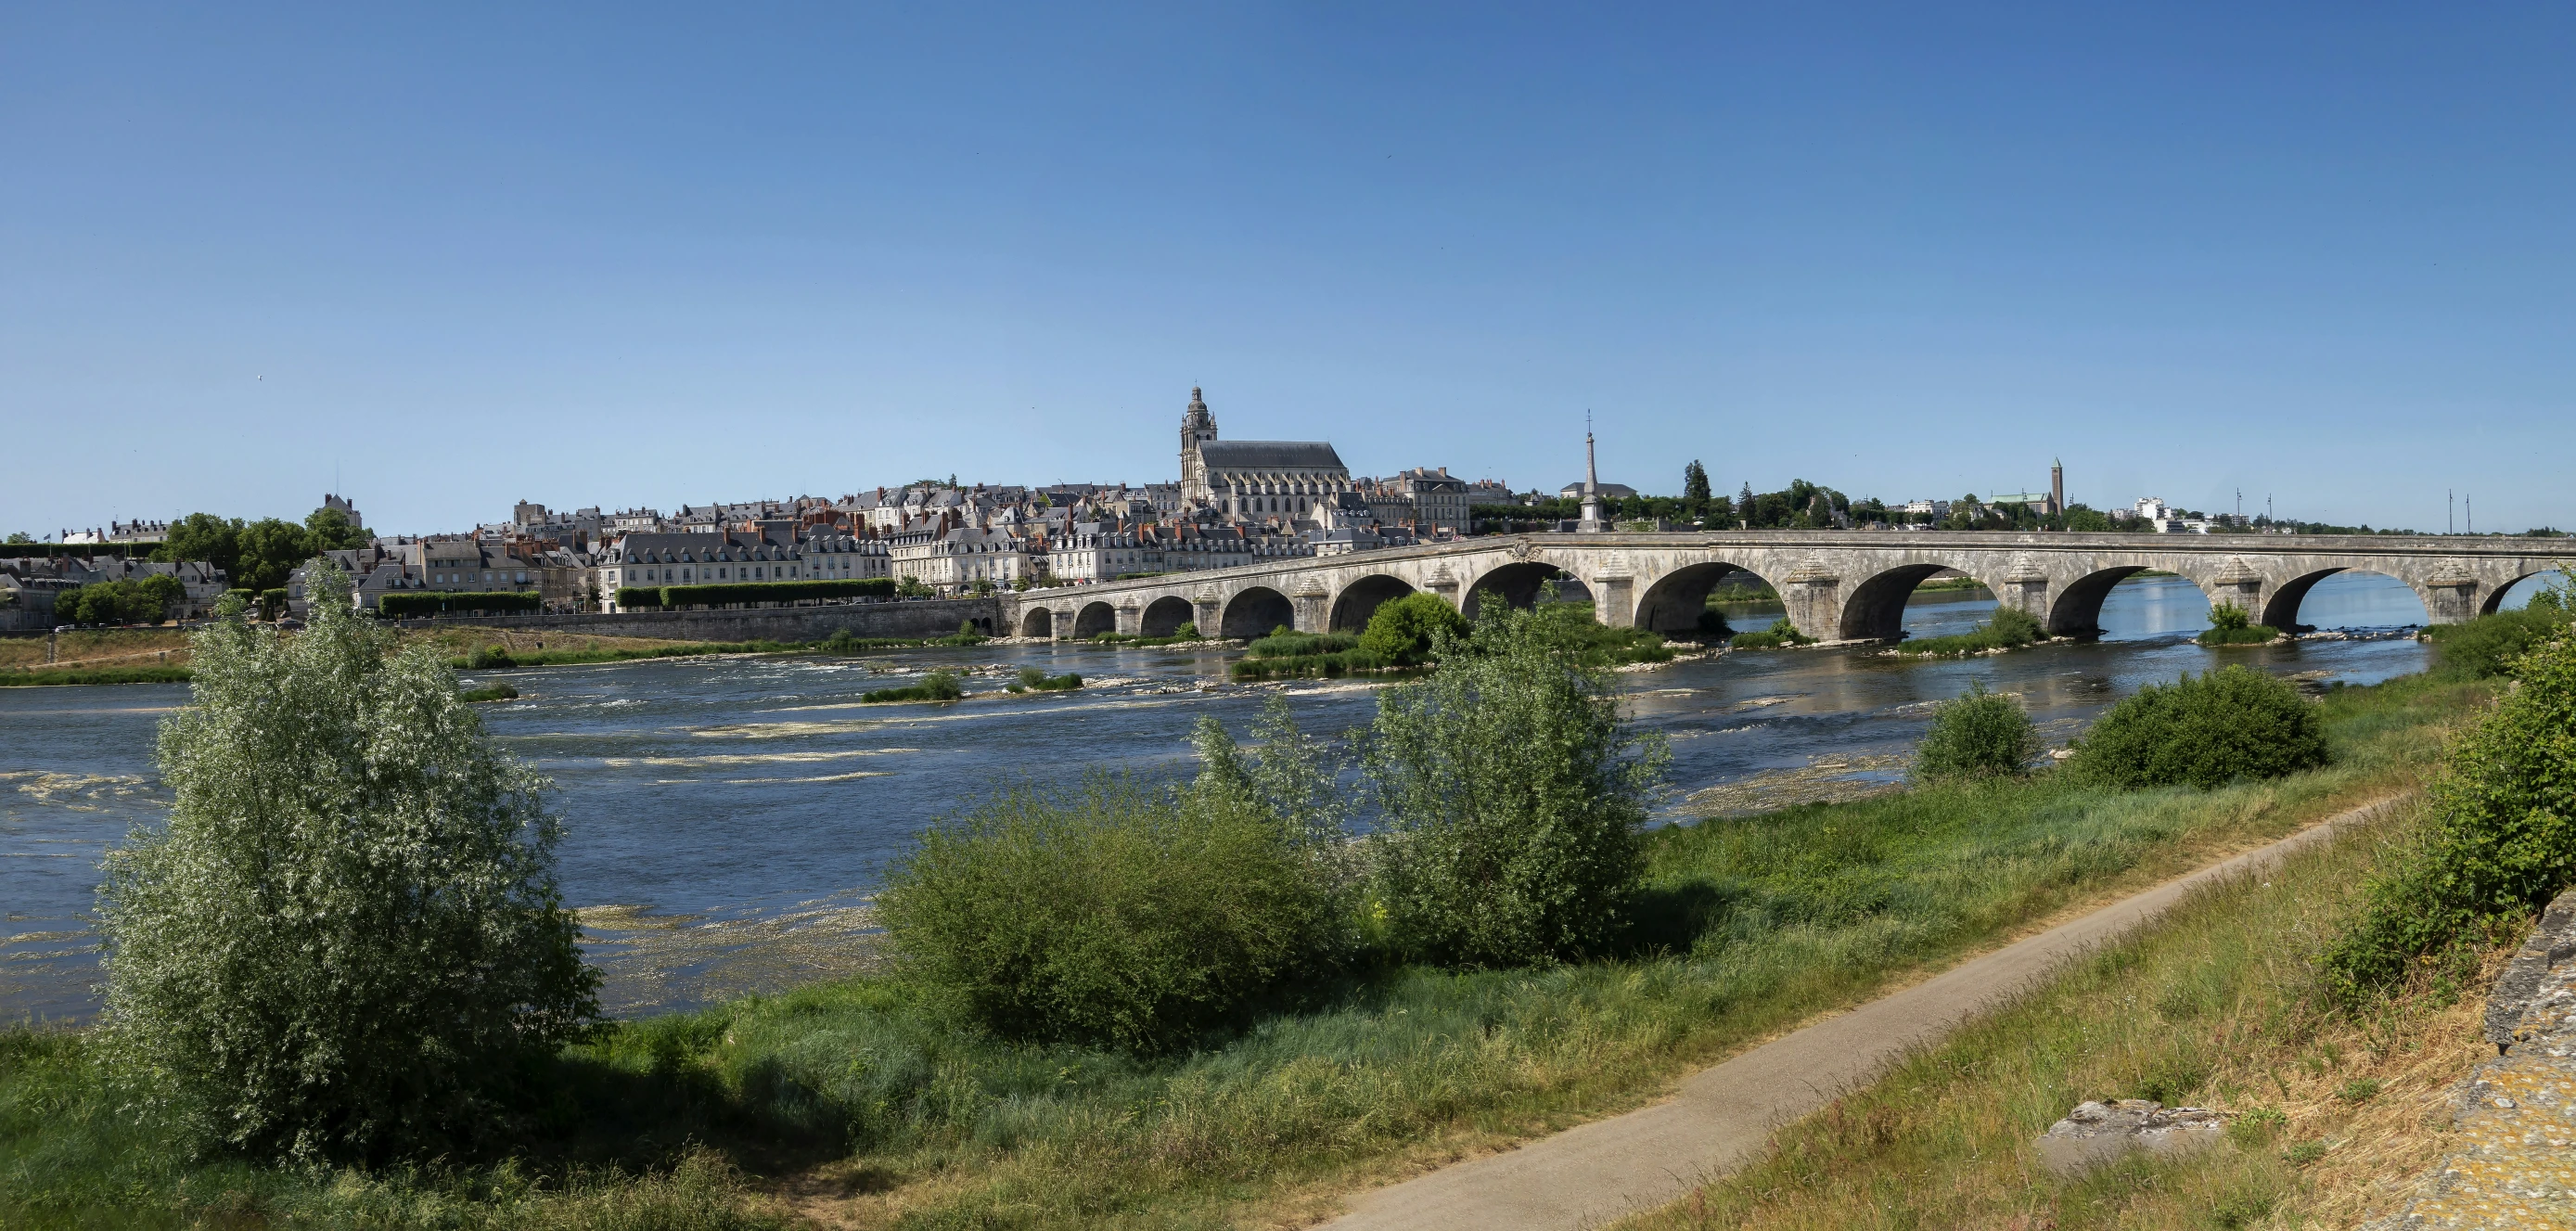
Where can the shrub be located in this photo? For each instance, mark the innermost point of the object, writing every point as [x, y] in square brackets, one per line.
[120, 602]
[936, 686]
[495, 692]
[488, 657]
[1108, 913]
[347, 939]
[2007, 628]
[2488, 645]
[2230, 625]
[1781, 633]
[1403, 630]
[1976, 734]
[2227, 617]
[1031, 679]
[638, 598]
[1286, 643]
[1511, 795]
[2204, 731]
[2501, 842]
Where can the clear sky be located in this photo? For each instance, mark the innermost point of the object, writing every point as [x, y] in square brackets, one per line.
[638, 255]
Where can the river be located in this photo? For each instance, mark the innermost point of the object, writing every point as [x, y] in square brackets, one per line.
[725, 818]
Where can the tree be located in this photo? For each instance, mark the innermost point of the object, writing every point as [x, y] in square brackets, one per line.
[20, 536]
[1405, 630]
[329, 530]
[1512, 799]
[270, 549]
[346, 941]
[1695, 482]
[204, 536]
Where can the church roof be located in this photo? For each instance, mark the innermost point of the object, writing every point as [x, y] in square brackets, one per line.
[1270, 455]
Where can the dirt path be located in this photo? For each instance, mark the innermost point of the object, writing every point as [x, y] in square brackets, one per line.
[1721, 1117]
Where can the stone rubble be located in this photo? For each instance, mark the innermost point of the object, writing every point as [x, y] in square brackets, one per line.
[2096, 1133]
[2516, 1114]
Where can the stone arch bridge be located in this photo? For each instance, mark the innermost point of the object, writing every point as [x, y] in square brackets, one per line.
[1838, 585]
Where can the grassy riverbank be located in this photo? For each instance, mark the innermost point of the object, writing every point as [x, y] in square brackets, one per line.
[2217, 1006]
[855, 1100]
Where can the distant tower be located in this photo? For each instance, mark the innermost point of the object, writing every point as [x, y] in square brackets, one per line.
[2056, 486]
[1198, 427]
[1591, 523]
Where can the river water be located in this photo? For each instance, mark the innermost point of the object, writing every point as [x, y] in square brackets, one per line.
[726, 818]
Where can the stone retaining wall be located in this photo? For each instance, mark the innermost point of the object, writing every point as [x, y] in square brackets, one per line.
[926, 618]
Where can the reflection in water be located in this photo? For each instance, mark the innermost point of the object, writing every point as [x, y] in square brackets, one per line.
[725, 819]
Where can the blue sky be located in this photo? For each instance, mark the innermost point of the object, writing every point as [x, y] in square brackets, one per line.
[629, 255]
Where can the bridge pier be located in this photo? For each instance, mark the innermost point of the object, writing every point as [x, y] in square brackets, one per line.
[2453, 597]
[1209, 611]
[1613, 601]
[1814, 596]
[1131, 618]
[1314, 613]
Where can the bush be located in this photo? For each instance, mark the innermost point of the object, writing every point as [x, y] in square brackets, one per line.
[433, 602]
[1285, 643]
[1975, 735]
[488, 658]
[2488, 645]
[2227, 617]
[1031, 679]
[936, 686]
[1511, 796]
[1781, 633]
[2230, 625]
[2501, 843]
[2007, 628]
[1109, 913]
[1403, 630]
[120, 602]
[2205, 731]
[495, 692]
[346, 941]
[639, 598]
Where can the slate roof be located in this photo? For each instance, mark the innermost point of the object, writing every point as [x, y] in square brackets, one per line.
[1270, 455]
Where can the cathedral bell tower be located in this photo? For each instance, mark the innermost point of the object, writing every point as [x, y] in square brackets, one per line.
[1198, 427]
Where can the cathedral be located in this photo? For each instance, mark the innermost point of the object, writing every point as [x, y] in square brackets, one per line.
[1292, 480]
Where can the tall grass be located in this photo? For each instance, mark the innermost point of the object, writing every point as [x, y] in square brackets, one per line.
[2007, 628]
[2217, 1006]
[1744, 926]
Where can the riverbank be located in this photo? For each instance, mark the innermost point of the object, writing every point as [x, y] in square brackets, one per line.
[850, 1101]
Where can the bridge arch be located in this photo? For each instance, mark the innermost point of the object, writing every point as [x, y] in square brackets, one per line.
[1518, 584]
[2077, 611]
[1164, 616]
[2281, 607]
[1037, 622]
[1254, 611]
[1095, 618]
[1876, 609]
[1678, 600]
[2495, 598]
[1361, 599]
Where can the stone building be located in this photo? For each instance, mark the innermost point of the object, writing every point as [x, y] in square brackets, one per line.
[1255, 479]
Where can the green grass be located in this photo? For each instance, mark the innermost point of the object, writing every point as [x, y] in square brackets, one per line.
[494, 692]
[2251, 634]
[1748, 925]
[96, 675]
[2217, 1005]
[1133, 641]
[1780, 635]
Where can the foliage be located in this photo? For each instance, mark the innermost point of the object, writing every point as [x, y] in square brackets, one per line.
[408, 604]
[1781, 633]
[639, 598]
[1108, 914]
[146, 601]
[2007, 628]
[1746, 926]
[1511, 796]
[721, 594]
[1188, 631]
[1695, 482]
[936, 686]
[1285, 643]
[2230, 625]
[2229, 616]
[1032, 679]
[2086, 520]
[328, 529]
[94, 675]
[489, 692]
[1404, 630]
[1976, 734]
[2488, 645]
[2502, 838]
[911, 587]
[19, 537]
[489, 658]
[2229, 725]
[346, 942]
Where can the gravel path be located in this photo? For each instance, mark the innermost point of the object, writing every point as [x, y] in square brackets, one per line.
[1721, 1117]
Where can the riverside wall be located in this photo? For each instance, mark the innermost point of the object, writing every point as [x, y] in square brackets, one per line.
[925, 618]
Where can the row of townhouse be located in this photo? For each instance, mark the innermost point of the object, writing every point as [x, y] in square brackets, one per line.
[726, 557]
[30, 584]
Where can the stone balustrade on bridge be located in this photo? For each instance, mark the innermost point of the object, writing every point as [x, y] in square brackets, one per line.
[1836, 584]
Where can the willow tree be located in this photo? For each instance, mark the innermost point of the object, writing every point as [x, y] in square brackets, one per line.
[346, 942]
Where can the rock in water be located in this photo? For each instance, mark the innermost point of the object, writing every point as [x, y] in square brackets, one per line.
[2097, 1133]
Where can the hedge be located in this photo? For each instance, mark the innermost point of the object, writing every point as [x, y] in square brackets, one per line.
[637, 598]
[721, 594]
[414, 603]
